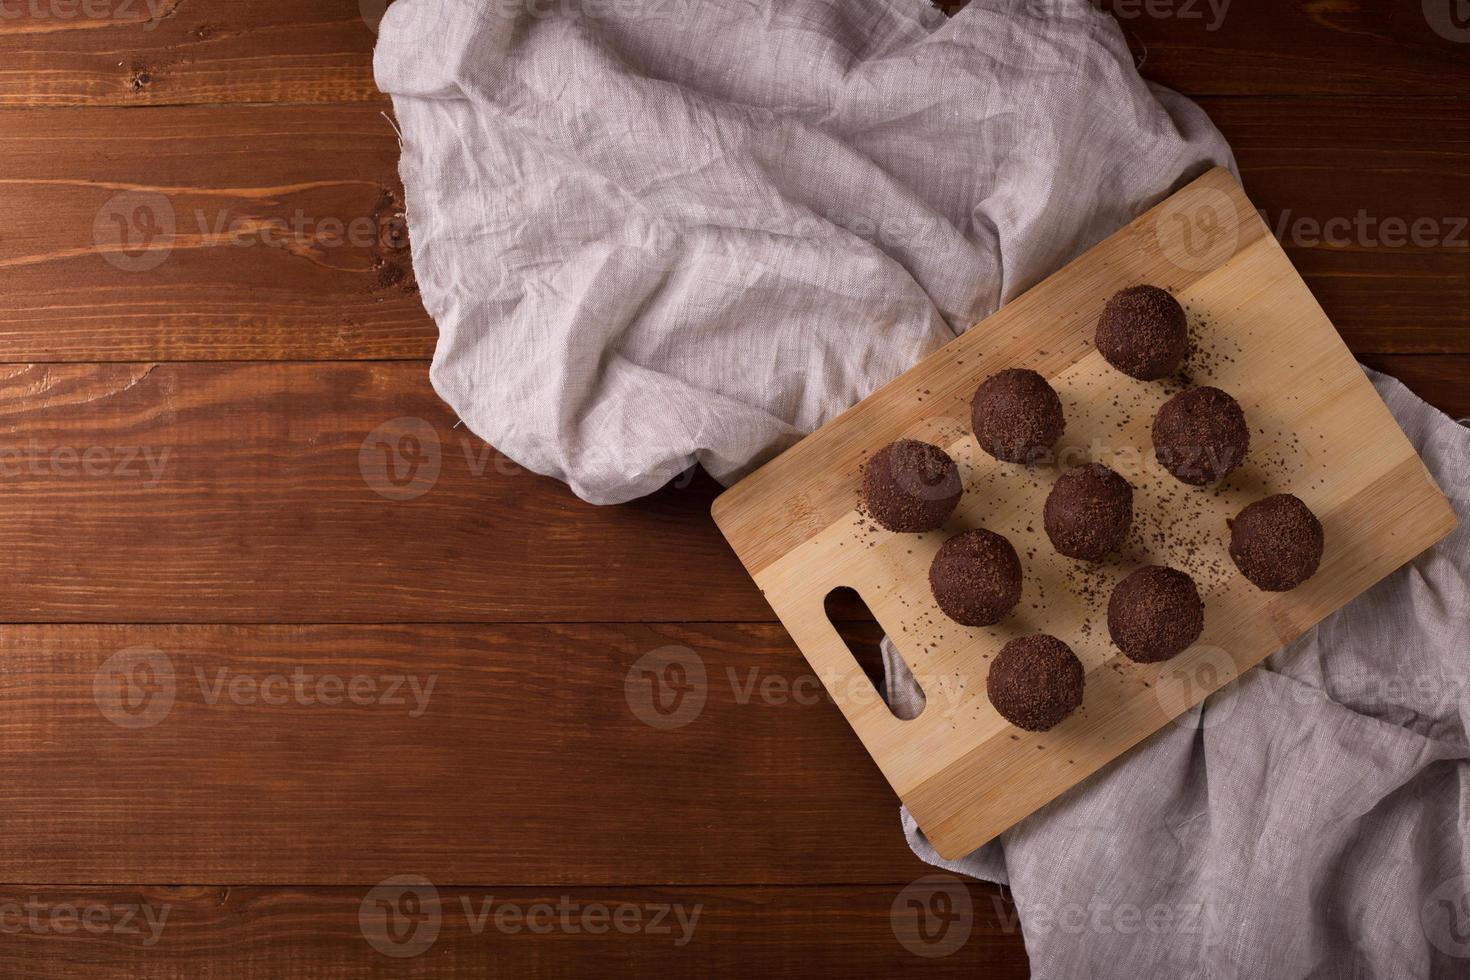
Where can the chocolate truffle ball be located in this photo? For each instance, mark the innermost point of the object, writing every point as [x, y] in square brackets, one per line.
[1143, 333]
[1017, 416]
[1088, 512]
[1276, 542]
[976, 578]
[911, 486]
[1200, 436]
[1155, 613]
[1035, 682]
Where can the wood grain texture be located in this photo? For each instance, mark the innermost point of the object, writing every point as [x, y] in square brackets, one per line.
[319, 933]
[336, 492]
[211, 234]
[1300, 47]
[237, 493]
[1443, 382]
[470, 754]
[1317, 430]
[286, 239]
[1375, 216]
[263, 516]
[164, 52]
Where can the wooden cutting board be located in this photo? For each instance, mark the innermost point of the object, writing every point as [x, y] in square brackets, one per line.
[1318, 430]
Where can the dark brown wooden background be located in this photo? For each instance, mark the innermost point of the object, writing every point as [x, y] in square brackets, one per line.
[254, 364]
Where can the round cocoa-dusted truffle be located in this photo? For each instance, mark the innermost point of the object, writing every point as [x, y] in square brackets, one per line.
[1017, 416]
[1200, 436]
[1155, 613]
[1088, 512]
[1035, 682]
[911, 486]
[976, 578]
[1276, 542]
[1143, 333]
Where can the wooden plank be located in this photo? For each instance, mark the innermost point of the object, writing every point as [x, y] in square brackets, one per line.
[333, 492]
[473, 755]
[1443, 382]
[252, 269]
[163, 52]
[1317, 428]
[189, 233]
[1342, 47]
[456, 931]
[1376, 217]
[243, 493]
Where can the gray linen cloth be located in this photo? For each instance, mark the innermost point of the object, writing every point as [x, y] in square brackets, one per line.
[660, 232]
[1310, 820]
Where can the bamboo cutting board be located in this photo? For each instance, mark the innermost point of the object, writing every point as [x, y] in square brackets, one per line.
[1318, 430]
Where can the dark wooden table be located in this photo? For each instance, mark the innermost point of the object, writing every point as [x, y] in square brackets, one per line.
[263, 658]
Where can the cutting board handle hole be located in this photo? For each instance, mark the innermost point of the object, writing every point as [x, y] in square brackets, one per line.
[858, 628]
